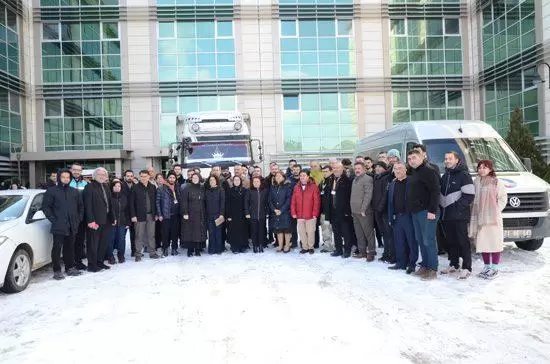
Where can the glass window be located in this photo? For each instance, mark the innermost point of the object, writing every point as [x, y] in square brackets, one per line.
[205, 29]
[291, 102]
[307, 28]
[110, 30]
[398, 26]
[452, 26]
[166, 30]
[345, 27]
[50, 31]
[327, 28]
[224, 28]
[288, 28]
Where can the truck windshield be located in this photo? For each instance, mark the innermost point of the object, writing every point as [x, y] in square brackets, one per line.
[12, 206]
[218, 153]
[472, 150]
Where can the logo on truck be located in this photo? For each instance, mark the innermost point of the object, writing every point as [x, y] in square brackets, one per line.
[514, 202]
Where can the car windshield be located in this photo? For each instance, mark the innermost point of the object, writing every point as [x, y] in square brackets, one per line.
[472, 150]
[12, 206]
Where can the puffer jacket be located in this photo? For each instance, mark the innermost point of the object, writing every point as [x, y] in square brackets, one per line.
[457, 194]
[306, 203]
[165, 205]
[381, 184]
[279, 199]
[121, 208]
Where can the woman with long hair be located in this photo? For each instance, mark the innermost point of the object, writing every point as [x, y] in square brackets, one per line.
[257, 209]
[486, 223]
[215, 210]
[194, 216]
[237, 225]
[280, 196]
[121, 212]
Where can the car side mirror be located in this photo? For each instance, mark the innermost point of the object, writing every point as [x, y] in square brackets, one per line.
[38, 215]
[527, 163]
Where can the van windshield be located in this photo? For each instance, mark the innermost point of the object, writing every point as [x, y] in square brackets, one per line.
[12, 206]
[472, 150]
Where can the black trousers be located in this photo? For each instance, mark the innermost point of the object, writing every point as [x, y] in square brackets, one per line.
[383, 224]
[317, 228]
[342, 229]
[458, 243]
[170, 232]
[97, 244]
[158, 234]
[294, 227]
[132, 230]
[79, 242]
[257, 229]
[67, 244]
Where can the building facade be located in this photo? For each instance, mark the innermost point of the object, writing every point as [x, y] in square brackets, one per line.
[102, 81]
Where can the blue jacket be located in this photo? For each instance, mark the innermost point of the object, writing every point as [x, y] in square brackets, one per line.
[391, 191]
[457, 194]
[279, 199]
[215, 202]
[165, 202]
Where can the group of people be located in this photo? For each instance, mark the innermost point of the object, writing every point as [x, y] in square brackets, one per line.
[405, 206]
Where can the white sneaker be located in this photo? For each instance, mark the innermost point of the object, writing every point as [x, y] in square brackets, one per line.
[491, 274]
[483, 272]
[464, 274]
[449, 270]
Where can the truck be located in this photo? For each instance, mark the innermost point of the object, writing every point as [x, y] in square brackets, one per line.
[527, 213]
[221, 138]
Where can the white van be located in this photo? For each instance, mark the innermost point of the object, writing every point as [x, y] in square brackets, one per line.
[526, 216]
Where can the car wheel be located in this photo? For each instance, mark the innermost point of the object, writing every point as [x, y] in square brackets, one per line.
[19, 272]
[530, 245]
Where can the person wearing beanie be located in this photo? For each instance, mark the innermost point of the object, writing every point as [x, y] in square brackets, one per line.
[167, 201]
[63, 207]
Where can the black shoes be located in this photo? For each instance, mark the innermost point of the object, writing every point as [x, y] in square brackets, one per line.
[80, 266]
[94, 270]
[303, 251]
[255, 249]
[197, 252]
[311, 251]
[73, 272]
[410, 270]
[336, 254]
[346, 255]
[394, 267]
[189, 252]
[103, 266]
[175, 252]
[165, 252]
[58, 276]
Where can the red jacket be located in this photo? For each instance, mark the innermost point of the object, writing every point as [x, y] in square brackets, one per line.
[306, 204]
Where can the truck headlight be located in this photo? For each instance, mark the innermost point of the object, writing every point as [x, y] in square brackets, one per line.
[195, 127]
[3, 239]
[238, 126]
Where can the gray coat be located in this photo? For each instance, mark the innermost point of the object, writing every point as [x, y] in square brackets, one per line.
[361, 194]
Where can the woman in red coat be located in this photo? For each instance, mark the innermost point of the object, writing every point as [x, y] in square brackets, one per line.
[305, 207]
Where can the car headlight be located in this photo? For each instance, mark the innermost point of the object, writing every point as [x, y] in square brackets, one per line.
[195, 127]
[3, 239]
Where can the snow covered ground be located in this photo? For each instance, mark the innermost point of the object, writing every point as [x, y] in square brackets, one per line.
[276, 308]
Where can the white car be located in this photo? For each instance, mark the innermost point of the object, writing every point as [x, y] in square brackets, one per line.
[25, 239]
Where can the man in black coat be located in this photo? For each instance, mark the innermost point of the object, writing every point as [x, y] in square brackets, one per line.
[457, 194]
[127, 187]
[382, 179]
[143, 214]
[63, 206]
[326, 204]
[99, 219]
[168, 199]
[340, 213]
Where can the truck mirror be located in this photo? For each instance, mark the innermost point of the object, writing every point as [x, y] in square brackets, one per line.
[527, 163]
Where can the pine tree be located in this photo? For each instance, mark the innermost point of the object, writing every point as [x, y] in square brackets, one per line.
[523, 143]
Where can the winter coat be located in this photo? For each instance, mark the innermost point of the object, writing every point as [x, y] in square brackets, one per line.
[257, 206]
[237, 224]
[306, 203]
[361, 195]
[280, 197]
[79, 185]
[193, 205]
[457, 194]
[326, 197]
[137, 201]
[293, 182]
[95, 207]
[63, 206]
[127, 190]
[490, 238]
[121, 208]
[165, 205]
[424, 191]
[215, 202]
[340, 206]
[380, 191]
[391, 194]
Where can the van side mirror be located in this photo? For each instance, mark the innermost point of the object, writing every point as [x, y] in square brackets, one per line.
[527, 163]
[38, 215]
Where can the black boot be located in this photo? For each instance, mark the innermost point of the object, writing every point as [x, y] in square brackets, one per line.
[261, 249]
[189, 252]
[197, 252]
[255, 249]
[165, 252]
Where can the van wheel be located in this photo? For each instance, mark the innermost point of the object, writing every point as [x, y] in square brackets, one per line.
[19, 272]
[530, 245]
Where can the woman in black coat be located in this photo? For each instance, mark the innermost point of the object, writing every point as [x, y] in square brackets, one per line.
[257, 208]
[194, 216]
[237, 224]
[121, 214]
[215, 209]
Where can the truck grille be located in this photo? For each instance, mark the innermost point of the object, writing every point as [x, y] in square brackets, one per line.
[520, 223]
[528, 202]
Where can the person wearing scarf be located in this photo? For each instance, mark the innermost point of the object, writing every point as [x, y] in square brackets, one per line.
[486, 226]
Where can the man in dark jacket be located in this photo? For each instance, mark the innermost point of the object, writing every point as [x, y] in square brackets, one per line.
[326, 205]
[167, 203]
[457, 194]
[422, 149]
[423, 201]
[79, 183]
[380, 206]
[53, 180]
[294, 179]
[127, 186]
[340, 213]
[99, 219]
[63, 206]
[180, 180]
[143, 214]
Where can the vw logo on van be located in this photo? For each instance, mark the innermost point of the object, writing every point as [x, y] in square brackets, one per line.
[514, 202]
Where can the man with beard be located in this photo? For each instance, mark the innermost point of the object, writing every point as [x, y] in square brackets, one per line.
[294, 179]
[326, 204]
[143, 214]
[127, 186]
[79, 183]
[179, 176]
[340, 214]
[63, 206]
[381, 183]
[168, 199]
